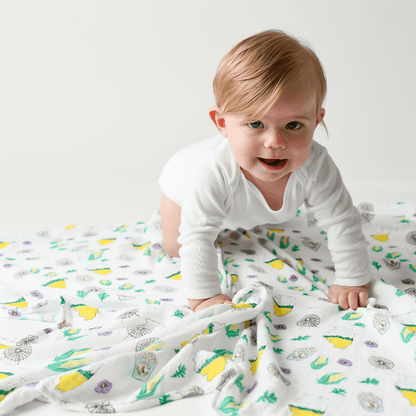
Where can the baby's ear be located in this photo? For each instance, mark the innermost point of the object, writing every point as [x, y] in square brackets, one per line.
[215, 115]
[321, 115]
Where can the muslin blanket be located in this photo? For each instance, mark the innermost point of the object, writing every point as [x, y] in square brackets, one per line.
[119, 336]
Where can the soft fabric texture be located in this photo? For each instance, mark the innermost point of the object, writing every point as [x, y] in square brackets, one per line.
[206, 182]
[118, 335]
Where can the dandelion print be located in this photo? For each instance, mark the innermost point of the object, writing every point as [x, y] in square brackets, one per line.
[380, 362]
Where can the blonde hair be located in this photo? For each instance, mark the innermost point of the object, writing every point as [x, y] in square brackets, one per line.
[252, 75]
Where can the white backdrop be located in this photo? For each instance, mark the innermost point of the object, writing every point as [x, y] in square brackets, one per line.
[95, 96]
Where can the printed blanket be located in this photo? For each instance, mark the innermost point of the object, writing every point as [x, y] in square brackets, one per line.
[119, 335]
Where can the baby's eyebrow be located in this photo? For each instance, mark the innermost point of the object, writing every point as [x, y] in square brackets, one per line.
[304, 117]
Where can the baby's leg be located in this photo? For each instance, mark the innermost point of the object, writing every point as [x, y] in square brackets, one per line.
[171, 220]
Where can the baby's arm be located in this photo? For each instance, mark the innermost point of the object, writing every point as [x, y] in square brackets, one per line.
[349, 296]
[199, 304]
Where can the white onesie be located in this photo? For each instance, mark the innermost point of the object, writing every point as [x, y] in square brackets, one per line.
[207, 183]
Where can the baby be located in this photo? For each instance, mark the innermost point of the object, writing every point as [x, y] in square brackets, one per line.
[260, 168]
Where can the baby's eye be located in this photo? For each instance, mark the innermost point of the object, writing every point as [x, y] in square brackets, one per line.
[255, 123]
[292, 125]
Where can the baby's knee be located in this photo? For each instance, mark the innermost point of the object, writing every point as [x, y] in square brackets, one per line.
[171, 219]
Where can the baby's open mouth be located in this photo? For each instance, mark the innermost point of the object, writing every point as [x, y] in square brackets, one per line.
[273, 162]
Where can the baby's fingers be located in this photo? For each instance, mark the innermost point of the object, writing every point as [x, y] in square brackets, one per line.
[343, 300]
[353, 300]
[363, 299]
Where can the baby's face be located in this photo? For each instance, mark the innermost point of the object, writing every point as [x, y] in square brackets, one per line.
[285, 132]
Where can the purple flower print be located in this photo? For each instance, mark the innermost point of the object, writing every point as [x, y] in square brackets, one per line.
[371, 344]
[343, 361]
[104, 334]
[104, 387]
[254, 386]
[7, 265]
[14, 312]
[285, 370]
[157, 246]
[47, 330]
[281, 326]
[36, 294]
[293, 278]
[27, 242]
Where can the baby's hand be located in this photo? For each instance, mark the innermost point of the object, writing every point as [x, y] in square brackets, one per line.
[199, 304]
[349, 296]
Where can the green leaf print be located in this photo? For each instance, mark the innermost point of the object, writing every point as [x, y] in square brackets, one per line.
[399, 293]
[267, 397]
[301, 338]
[178, 314]
[102, 296]
[370, 381]
[278, 350]
[376, 265]
[342, 392]
[164, 399]
[181, 371]
[295, 248]
[360, 324]
[412, 267]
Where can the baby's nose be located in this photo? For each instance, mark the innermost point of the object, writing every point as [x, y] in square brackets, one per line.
[275, 139]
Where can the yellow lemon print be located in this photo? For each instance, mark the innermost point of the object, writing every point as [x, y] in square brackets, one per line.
[275, 263]
[255, 363]
[87, 312]
[212, 368]
[381, 237]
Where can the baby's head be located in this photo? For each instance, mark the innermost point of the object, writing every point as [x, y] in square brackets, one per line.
[273, 79]
[253, 74]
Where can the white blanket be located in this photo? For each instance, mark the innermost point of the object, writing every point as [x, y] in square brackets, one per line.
[120, 337]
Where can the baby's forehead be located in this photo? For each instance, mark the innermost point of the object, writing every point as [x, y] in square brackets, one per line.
[288, 105]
